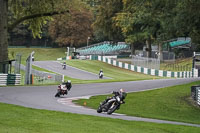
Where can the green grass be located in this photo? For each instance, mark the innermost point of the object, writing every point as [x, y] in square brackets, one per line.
[171, 103]
[40, 53]
[116, 73]
[178, 65]
[16, 119]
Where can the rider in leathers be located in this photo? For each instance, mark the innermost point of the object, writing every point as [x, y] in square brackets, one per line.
[68, 86]
[122, 94]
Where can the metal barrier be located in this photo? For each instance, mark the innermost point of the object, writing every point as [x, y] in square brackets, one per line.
[45, 77]
[10, 79]
[152, 63]
[17, 63]
[40, 77]
[149, 71]
[195, 93]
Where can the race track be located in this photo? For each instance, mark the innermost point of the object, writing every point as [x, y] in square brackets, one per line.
[70, 71]
[42, 97]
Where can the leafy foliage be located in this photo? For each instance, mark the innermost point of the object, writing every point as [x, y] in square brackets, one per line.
[35, 13]
[104, 23]
[72, 29]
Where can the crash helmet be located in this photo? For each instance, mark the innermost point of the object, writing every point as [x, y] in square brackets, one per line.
[69, 81]
[121, 90]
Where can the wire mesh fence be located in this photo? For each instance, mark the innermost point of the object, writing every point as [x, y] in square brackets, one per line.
[40, 77]
[17, 63]
[152, 63]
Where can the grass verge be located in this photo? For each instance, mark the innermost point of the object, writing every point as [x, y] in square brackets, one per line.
[171, 103]
[16, 119]
[116, 73]
[40, 53]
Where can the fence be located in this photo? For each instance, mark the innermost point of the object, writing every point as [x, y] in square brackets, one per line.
[10, 79]
[195, 93]
[17, 63]
[167, 56]
[45, 77]
[146, 62]
[40, 77]
[161, 73]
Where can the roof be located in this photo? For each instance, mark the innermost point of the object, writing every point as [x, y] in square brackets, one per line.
[179, 43]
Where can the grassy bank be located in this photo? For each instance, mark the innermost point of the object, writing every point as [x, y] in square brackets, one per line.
[116, 73]
[171, 103]
[40, 53]
[16, 119]
[184, 64]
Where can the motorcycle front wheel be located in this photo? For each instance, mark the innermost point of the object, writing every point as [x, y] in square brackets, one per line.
[99, 110]
[57, 94]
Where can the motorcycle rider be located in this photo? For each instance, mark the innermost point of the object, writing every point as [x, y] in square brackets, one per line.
[64, 65]
[122, 95]
[101, 73]
[67, 84]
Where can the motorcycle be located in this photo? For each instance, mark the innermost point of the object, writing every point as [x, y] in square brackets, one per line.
[64, 66]
[110, 105]
[101, 75]
[62, 90]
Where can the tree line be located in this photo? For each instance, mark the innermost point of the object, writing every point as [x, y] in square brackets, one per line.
[71, 22]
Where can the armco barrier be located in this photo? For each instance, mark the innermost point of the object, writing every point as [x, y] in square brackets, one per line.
[10, 79]
[161, 73]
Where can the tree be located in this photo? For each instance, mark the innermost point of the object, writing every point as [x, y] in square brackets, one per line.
[187, 19]
[145, 21]
[136, 22]
[3, 30]
[72, 29]
[34, 13]
[104, 22]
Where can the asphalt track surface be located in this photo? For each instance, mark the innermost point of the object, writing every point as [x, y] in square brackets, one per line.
[42, 97]
[69, 71]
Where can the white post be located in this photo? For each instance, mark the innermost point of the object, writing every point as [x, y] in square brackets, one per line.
[63, 78]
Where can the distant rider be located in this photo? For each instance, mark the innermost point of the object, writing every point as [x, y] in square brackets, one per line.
[64, 65]
[68, 84]
[101, 73]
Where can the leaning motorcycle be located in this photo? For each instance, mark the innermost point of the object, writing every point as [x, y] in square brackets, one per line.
[64, 67]
[101, 75]
[111, 105]
[62, 90]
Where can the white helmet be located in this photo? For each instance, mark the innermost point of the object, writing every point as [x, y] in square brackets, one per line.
[121, 90]
[69, 81]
